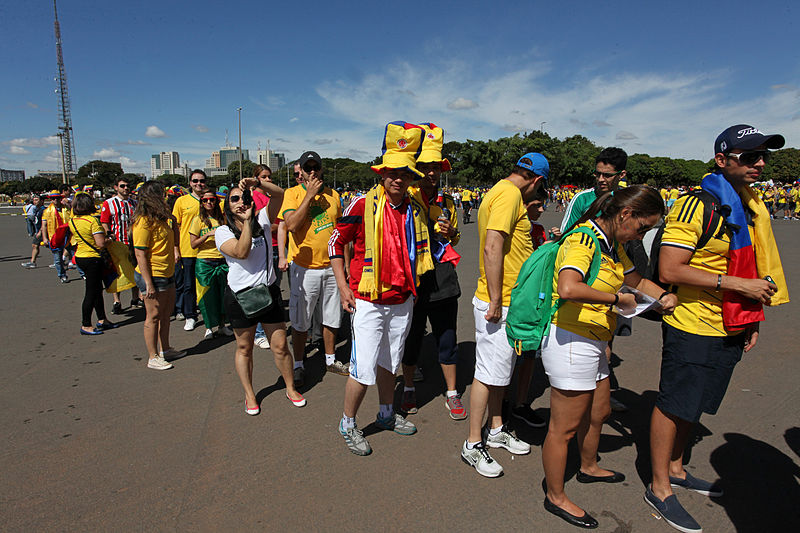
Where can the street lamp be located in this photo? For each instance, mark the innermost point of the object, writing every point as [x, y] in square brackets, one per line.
[541, 126]
[239, 110]
[334, 175]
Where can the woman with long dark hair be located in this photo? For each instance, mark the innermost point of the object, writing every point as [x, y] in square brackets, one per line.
[211, 271]
[573, 353]
[90, 239]
[155, 242]
[244, 242]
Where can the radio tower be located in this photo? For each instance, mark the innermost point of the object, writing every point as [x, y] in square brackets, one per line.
[65, 119]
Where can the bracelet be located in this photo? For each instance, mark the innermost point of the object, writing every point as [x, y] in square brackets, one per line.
[616, 300]
[664, 294]
[719, 281]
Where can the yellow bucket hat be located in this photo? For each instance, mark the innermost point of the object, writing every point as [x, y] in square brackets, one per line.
[432, 146]
[402, 142]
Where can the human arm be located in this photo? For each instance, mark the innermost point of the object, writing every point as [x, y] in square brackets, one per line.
[283, 265]
[346, 295]
[571, 286]
[666, 299]
[297, 218]
[45, 238]
[240, 248]
[493, 269]
[143, 261]
[176, 236]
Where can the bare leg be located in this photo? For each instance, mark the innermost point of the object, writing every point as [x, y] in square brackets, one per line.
[151, 323]
[243, 362]
[495, 406]
[666, 449]
[478, 401]
[166, 301]
[354, 393]
[276, 333]
[592, 426]
[299, 343]
[329, 339]
[567, 410]
[385, 380]
[449, 372]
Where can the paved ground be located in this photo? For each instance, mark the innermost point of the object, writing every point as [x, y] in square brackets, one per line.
[95, 441]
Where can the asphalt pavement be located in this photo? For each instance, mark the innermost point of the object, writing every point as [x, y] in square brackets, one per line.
[93, 440]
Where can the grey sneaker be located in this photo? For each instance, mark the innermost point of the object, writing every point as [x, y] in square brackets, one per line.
[172, 353]
[159, 363]
[299, 376]
[455, 407]
[506, 440]
[479, 458]
[337, 367]
[28, 265]
[354, 438]
[700, 486]
[673, 512]
[396, 423]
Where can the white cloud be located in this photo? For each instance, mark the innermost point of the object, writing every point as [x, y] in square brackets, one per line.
[53, 157]
[623, 135]
[293, 119]
[41, 142]
[464, 103]
[200, 128]
[601, 124]
[17, 150]
[154, 132]
[134, 143]
[32, 105]
[105, 153]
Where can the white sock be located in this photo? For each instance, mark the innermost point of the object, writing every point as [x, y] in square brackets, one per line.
[406, 389]
[451, 393]
[495, 431]
[386, 410]
[299, 364]
[330, 358]
[347, 422]
[471, 445]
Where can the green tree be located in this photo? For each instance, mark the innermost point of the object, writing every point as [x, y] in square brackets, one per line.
[168, 180]
[784, 166]
[40, 184]
[247, 170]
[98, 172]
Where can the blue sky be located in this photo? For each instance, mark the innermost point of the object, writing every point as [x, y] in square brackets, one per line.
[144, 77]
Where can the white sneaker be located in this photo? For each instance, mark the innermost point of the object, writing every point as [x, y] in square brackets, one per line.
[208, 334]
[479, 458]
[225, 330]
[262, 342]
[506, 440]
[179, 316]
[158, 363]
[189, 326]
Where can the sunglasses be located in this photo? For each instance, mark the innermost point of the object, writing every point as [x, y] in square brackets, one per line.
[606, 175]
[296, 174]
[751, 158]
[198, 181]
[211, 200]
[235, 198]
[312, 168]
[124, 186]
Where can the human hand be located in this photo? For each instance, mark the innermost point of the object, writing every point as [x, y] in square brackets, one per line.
[494, 313]
[445, 228]
[150, 293]
[348, 299]
[314, 184]
[759, 290]
[627, 302]
[668, 303]
[556, 231]
[248, 183]
[283, 264]
[750, 337]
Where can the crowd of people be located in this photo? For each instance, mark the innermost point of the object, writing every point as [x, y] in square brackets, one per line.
[388, 259]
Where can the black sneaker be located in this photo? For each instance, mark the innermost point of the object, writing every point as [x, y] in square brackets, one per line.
[116, 309]
[137, 303]
[529, 416]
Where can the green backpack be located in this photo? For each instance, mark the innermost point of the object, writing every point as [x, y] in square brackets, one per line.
[531, 308]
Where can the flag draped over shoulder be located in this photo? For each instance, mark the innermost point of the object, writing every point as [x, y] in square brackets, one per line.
[211, 278]
[747, 259]
[125, 270]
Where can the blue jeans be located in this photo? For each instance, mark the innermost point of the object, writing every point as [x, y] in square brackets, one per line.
[58, 261]
[188, 291]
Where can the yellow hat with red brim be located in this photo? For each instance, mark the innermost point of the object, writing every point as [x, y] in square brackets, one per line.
[402, 143]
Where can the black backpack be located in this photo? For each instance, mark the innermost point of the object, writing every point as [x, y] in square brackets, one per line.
[713, 211]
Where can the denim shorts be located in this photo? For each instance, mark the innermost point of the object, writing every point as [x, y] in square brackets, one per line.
[695, 372]
[161, 284]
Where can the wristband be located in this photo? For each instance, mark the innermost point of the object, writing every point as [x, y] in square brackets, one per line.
[664, 294]
[719, 281]
[616, 299]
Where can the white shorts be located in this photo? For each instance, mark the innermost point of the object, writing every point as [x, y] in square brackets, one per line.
[494, 357]
[573, 362]
[308, 287]
[379, 336]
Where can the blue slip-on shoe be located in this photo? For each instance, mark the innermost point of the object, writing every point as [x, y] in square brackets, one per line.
[106, 325]
[700, 486]
[95, 332]
[673, 512]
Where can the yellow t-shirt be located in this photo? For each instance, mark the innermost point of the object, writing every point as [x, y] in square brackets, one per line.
[87, 226]
[699, 311]
[207, 249]
[308, 245]
[158, 239]
[593, 321]
[502, 210]
[674, 193]
[186, 208]
[664, 194]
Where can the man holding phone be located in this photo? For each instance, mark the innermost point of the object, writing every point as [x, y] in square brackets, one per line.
[310, 211]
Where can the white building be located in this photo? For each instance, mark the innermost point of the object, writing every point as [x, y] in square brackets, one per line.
[165, 163]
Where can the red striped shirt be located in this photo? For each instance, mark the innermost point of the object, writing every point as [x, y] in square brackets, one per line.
[118, 214]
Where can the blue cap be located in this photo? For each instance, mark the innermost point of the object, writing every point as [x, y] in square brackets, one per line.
[536, 163]
[745, 137]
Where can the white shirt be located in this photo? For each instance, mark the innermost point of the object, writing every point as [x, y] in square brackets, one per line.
[255, 269]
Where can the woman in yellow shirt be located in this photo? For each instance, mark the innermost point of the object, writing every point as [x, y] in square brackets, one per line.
[573, 353]
[211, 270]
[155, 241]
[90, 238]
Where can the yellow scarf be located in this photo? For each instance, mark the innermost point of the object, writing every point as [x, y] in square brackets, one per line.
[372, 283]
[768, 261]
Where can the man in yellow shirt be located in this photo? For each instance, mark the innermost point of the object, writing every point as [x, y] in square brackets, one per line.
[186, 208]
[310, 212]
[54, 217]
[505, 244]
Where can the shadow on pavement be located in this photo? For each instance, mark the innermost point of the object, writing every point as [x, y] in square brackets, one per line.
[760, 483]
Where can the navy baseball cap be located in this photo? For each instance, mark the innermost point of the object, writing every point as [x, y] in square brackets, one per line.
[745, 137]
[536, 163]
